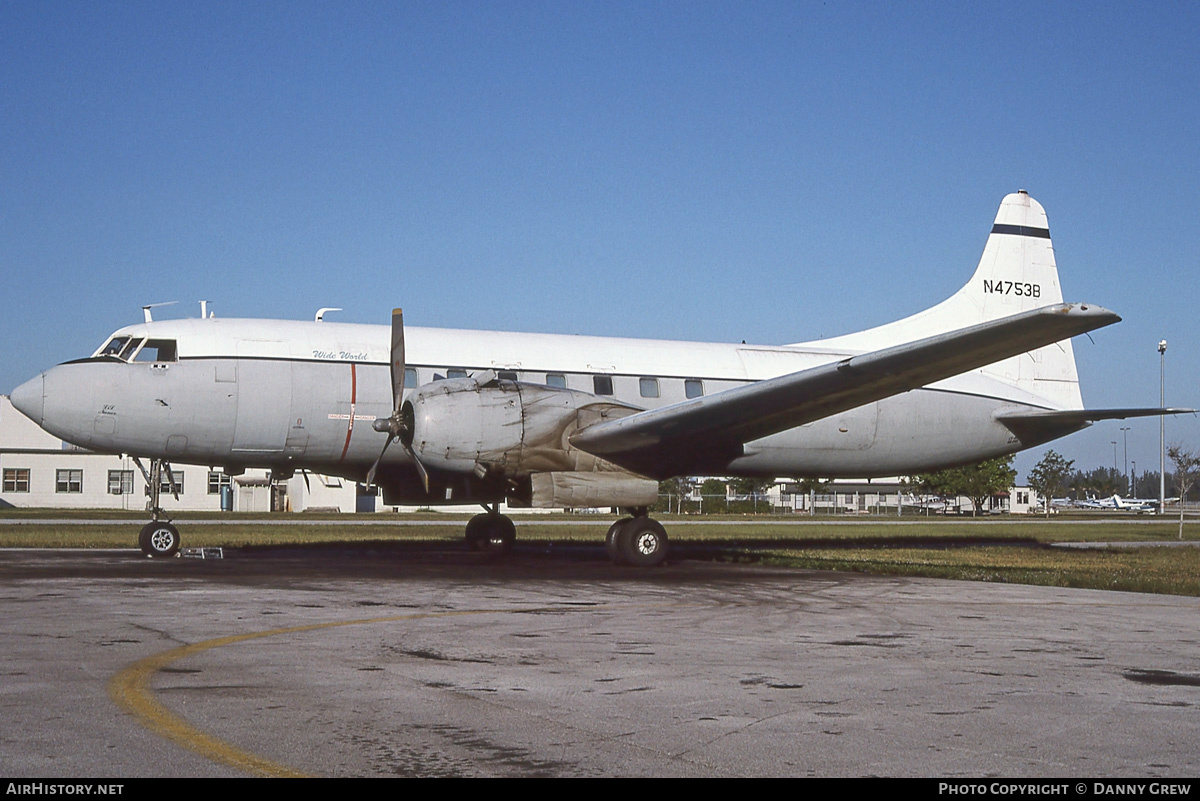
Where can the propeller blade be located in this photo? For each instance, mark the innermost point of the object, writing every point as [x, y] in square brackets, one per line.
[420, 467]
[397, 363]
[375, 466]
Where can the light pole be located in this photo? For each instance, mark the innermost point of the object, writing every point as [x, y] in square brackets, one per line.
[1162, 426]
[1133, 481]
[1125, 439]
[1114, 444]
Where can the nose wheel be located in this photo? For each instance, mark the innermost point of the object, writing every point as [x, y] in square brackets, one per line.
[159, 539]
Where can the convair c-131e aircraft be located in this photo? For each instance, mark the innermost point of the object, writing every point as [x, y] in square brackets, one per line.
[560, 421]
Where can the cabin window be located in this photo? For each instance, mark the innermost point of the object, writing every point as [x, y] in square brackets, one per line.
[602, 384]
[648, 387]
[120, 482]
[693, 388]
[157, 350]
[456, 372]
[16, 479]
[556, 380]
[410, 377]
[68, 481]
[507, 375]
[217, 480]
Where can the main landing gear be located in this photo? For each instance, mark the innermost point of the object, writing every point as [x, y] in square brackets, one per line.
[637, 541]
[158, 538]
[491, 532]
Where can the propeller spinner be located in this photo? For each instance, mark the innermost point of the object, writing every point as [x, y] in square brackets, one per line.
[398, 425]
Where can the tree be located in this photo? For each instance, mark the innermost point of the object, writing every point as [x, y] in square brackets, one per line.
[977, 482]
[751, 488]
[1048, 474]
[714, 496]
[1187, 470]
[674, 491]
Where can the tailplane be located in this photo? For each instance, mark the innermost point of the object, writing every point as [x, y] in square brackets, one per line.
[1016, 273]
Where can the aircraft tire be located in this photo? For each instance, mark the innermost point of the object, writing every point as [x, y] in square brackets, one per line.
[643, 542]
[611, 541]
[501, 535]
[159, 540]
[477, 531]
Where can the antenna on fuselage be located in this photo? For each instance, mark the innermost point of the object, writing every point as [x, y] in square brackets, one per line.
[146, 309]
[204, 312]
[321, 313]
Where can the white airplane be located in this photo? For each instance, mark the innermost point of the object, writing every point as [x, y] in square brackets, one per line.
[1117, 502]
[561, 421]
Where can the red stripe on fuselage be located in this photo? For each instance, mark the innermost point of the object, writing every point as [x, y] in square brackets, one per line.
[353, 401]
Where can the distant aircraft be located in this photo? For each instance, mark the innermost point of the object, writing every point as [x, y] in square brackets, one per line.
[1117, 502]
[569, 421]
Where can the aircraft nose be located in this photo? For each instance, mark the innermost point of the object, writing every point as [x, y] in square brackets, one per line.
[29, 398]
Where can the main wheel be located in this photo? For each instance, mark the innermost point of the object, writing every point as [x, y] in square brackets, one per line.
[159, 539]
[611, 541]
[642, 542]
[477, 531]
[501, 535]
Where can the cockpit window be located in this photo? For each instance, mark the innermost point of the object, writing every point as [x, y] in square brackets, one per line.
[113, 348]
[157, 350]
[128, 350]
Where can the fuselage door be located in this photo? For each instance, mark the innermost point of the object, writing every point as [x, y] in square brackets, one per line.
[264, 402]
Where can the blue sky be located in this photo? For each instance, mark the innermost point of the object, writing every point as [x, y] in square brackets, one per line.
[772, 172]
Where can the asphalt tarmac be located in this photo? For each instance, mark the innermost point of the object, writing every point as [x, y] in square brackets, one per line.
[426, 660]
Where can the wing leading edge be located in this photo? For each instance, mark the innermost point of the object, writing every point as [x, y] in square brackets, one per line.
[707, 432]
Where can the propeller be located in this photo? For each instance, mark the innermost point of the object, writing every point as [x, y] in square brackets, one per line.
[399, 425]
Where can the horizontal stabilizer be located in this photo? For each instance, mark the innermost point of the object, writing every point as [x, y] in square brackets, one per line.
[660, 442]
[1034, 428]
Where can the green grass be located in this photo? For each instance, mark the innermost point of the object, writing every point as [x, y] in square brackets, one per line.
[1000, 550]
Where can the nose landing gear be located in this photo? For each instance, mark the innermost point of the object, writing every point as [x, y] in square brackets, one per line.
[158, 538]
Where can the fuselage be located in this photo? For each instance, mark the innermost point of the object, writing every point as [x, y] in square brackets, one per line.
[302, 395]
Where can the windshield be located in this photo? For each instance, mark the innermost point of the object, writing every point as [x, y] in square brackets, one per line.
[120, 348]
[113, 348]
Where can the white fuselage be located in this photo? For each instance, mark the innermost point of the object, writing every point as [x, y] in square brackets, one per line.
[303, 395]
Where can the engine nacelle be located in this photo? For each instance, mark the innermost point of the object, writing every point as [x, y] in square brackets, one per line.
[493, 427]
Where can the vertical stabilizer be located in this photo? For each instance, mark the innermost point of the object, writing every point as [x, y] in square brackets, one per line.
[1016, 273]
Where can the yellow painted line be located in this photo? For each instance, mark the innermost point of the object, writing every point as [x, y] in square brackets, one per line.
[130, 689]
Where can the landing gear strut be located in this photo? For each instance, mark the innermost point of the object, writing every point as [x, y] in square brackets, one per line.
[637, 541]
[158, 538]
[491, 532]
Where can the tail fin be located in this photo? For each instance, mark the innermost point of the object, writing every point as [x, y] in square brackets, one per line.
[1016, 273]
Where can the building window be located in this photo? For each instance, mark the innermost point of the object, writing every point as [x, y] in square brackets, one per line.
[648, 387]
[120, 482]
[602, 384]
[216, 480]
[16, 479]
[68, 481]
[693, 388]
[556, 380]
[165, 483]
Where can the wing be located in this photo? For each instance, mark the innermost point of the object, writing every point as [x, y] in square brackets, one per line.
[705, 433]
